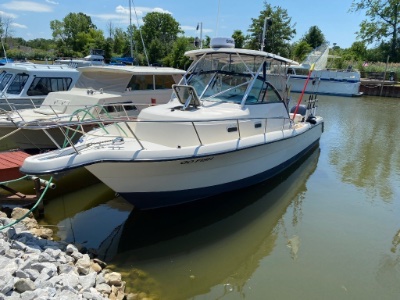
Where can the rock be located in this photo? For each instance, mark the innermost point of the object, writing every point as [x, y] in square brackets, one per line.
[70, 249]
[95, 267]
[11, 232]
[101, 263]
[19, 212]
[70, 280]
[103, 288]
[6, 282]
[30, 223]
[113, 278]
[83, 264]
[33, 274]
[18, 246]
[32, 266]
[4, 246]
[66, 268]
[23, 285]
[44, 233]
[88, 281]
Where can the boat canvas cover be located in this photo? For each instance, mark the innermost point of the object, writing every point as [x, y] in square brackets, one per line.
[101, 78]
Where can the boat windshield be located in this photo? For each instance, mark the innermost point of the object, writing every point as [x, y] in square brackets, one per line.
[17, 84]
[4, 79]
[227, 77]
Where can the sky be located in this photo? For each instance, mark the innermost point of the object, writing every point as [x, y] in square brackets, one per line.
[219, 18]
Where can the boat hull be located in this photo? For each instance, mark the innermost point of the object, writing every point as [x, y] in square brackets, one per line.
[326, 86]
[155, 184]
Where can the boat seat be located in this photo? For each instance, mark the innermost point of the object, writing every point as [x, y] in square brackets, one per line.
[298, 118]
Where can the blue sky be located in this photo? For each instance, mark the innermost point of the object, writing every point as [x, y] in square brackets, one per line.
[31, 18]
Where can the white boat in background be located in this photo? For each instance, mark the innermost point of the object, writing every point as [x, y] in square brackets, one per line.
[95, 58]
[226, 128]
[324, 81]
[26, 84]
[101, 92]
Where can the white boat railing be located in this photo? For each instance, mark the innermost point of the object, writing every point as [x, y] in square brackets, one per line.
[125, 124]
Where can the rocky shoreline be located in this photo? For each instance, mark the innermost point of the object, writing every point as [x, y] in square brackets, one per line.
[34, 266]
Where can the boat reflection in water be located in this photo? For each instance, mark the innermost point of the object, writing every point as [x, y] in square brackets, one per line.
[91, 217]
[217, 244]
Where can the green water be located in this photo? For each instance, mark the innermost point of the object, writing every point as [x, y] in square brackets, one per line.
[329, 228]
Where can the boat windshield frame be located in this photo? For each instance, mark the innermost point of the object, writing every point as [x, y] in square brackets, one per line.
[5, 78]
[231, 77]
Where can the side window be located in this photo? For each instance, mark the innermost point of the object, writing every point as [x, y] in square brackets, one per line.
[17, 84]
[164, 82]
[140, 82]
[262, 92]
[43, 85]
[4, 79]
[118, 107]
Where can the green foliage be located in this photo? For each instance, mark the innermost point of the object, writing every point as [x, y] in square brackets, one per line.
[301, 50]
[358, 50]
[383, 22]
[159, 32]
[314, 37]
[239, 38]
[75, 35]
[176, 57]
[75, 32]
[278, 34]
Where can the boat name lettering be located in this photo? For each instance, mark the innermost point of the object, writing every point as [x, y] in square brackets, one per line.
[197, 160]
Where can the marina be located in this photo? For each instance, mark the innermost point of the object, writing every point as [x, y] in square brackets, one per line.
[169, 165]
[327, 227]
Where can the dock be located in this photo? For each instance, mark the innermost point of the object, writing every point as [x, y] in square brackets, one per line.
[10, 162]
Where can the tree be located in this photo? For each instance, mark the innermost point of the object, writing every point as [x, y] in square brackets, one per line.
[176, 57]
[72, 30]
[5, 30]
[279, 33]
[383, 22]
[121, 42]
[159, 32]
[358, 51]
[239, 38]
[301, 50]
[314, 37]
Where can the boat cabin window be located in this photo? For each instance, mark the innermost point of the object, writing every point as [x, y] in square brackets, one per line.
[140, 82]
[145, 82]
[118, 107]
[164, 82]
[45, 85]
[4, 79]
[18, 83]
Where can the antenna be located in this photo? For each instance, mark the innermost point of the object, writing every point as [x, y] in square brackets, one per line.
[130, 29]
[216, 29]
[140, 31]
[4, 49]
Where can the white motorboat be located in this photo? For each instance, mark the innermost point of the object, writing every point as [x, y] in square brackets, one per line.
[226, 128]
[324, 81]
[95, 58]
[102, 92]
[25, 85]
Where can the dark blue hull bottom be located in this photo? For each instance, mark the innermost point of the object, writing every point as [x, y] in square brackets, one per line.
[155, 200]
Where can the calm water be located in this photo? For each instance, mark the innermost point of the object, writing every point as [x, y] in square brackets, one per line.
[329, 228]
